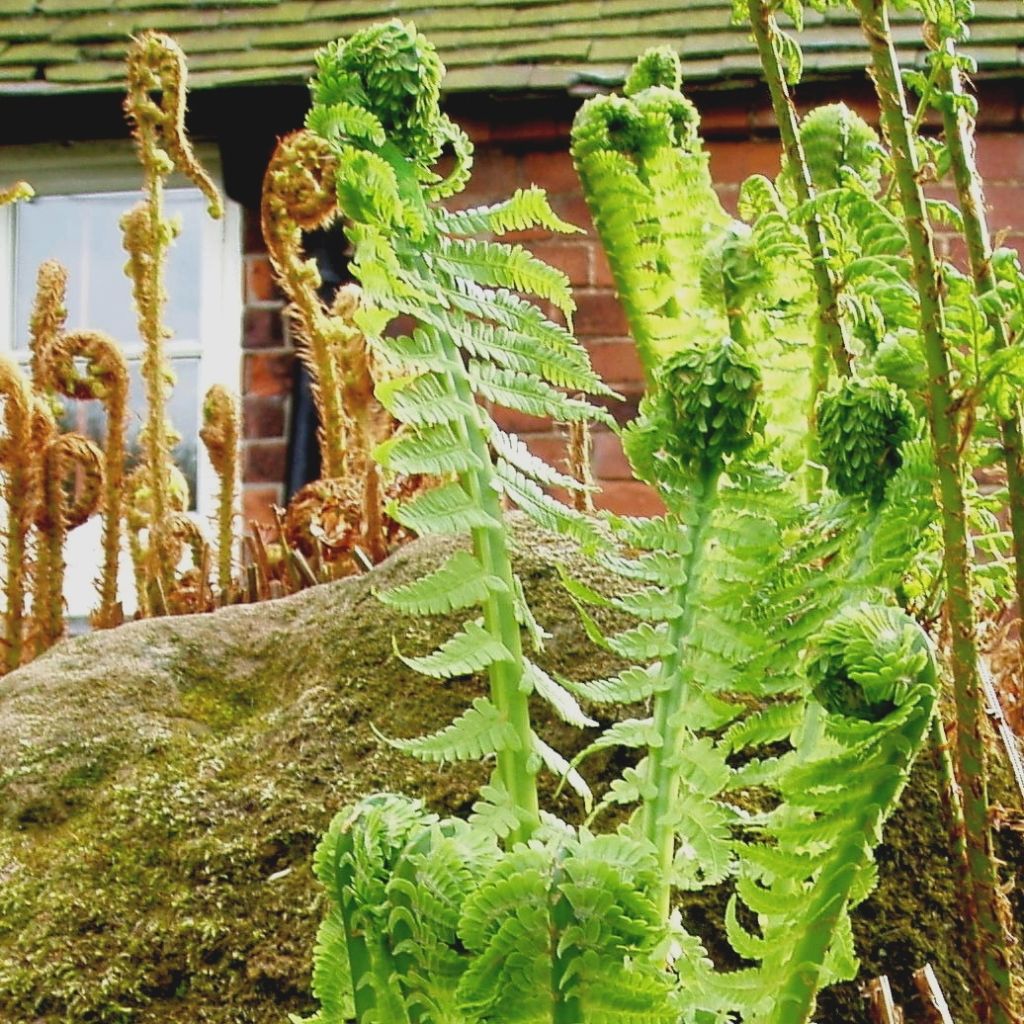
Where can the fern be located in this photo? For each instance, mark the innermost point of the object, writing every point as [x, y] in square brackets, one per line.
[874, 671]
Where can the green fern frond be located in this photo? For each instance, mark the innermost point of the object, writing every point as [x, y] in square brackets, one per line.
[470, 650]
[480, 730]
[445, 509]
[498, 265]
[460, 583]
[558, 697]
[434, 450]
[526, 208]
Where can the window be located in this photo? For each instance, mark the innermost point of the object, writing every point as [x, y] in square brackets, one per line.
[81, 192]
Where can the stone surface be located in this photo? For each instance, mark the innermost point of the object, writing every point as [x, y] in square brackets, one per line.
[162, 787]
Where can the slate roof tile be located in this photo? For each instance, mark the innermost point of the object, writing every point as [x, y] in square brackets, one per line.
[487, 44]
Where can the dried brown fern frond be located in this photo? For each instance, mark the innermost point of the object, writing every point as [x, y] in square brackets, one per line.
[20, 467]
[47, 323]
[191, 590]
[298, 196]
[89, 366]
[220, 434]
[71, 490]
[155, 109]
[141, 526]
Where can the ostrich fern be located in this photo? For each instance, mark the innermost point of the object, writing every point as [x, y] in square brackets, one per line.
[514, 916]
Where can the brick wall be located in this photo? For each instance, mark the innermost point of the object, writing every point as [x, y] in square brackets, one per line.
[517, 153]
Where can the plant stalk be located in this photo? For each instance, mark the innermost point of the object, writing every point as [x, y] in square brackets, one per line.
[669, 703]
[992, 974]
[514, 766]
[958, 127]
[830, 335]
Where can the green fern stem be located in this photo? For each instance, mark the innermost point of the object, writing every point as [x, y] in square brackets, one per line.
[670, 700]
[567, 1007]
[959, 134]
[994, 990]
[517, 774]
[797, 996]
[829, 333]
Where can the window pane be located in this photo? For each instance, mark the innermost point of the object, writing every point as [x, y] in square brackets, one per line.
[82, 232]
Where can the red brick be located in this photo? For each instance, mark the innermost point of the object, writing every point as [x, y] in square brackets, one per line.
[260, 284]
[552, 170]
[599, 315]
[268, 373]
[263, 416]
[519, 422]
[573, 208]
[734, 162]
[1001, 156]
[1006, 208]
[609, 461]
[616, 361]
[550, 447]
[600, 270]
[496, 175]
[258, 502]
[628, 496]
[729, 197]
[730, 117]
[252, 233]
[262, 327]
[531, 130]
[263, 461]
[571, 257]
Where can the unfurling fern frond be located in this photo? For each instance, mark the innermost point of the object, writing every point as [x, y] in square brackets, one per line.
[477, 340]
[874, 668]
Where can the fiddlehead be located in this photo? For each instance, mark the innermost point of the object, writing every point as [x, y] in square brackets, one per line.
[220, 434]
[49, 317]
[299, 195]
[155, 109]
[862, 425]
[874, 670]
[60, 508]
[89, 366]
[645, 178]
[20, 467]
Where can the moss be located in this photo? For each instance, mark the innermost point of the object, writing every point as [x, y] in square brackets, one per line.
[182, 771]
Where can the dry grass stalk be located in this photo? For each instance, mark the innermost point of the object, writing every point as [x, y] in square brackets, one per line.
[881, 1005]
[932, 996]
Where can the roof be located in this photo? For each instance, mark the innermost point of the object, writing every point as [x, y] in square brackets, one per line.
[61, 45]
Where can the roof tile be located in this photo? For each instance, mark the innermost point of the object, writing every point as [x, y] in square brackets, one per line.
[487, 44]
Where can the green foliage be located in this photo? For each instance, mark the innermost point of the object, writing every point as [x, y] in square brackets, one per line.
[439, 926]
[476, 340]
[813, 858]
[863, 425]
[731, 587]
[704, 410]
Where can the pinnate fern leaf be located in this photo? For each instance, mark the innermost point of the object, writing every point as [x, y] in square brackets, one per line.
[470, 650]
[461, 582]
[479, 731]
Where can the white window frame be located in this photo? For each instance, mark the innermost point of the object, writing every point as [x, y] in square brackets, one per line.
[89, 168]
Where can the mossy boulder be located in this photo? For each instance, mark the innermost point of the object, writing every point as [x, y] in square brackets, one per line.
[162, 787]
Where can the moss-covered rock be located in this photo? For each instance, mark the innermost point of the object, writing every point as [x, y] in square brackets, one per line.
[162, 787]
